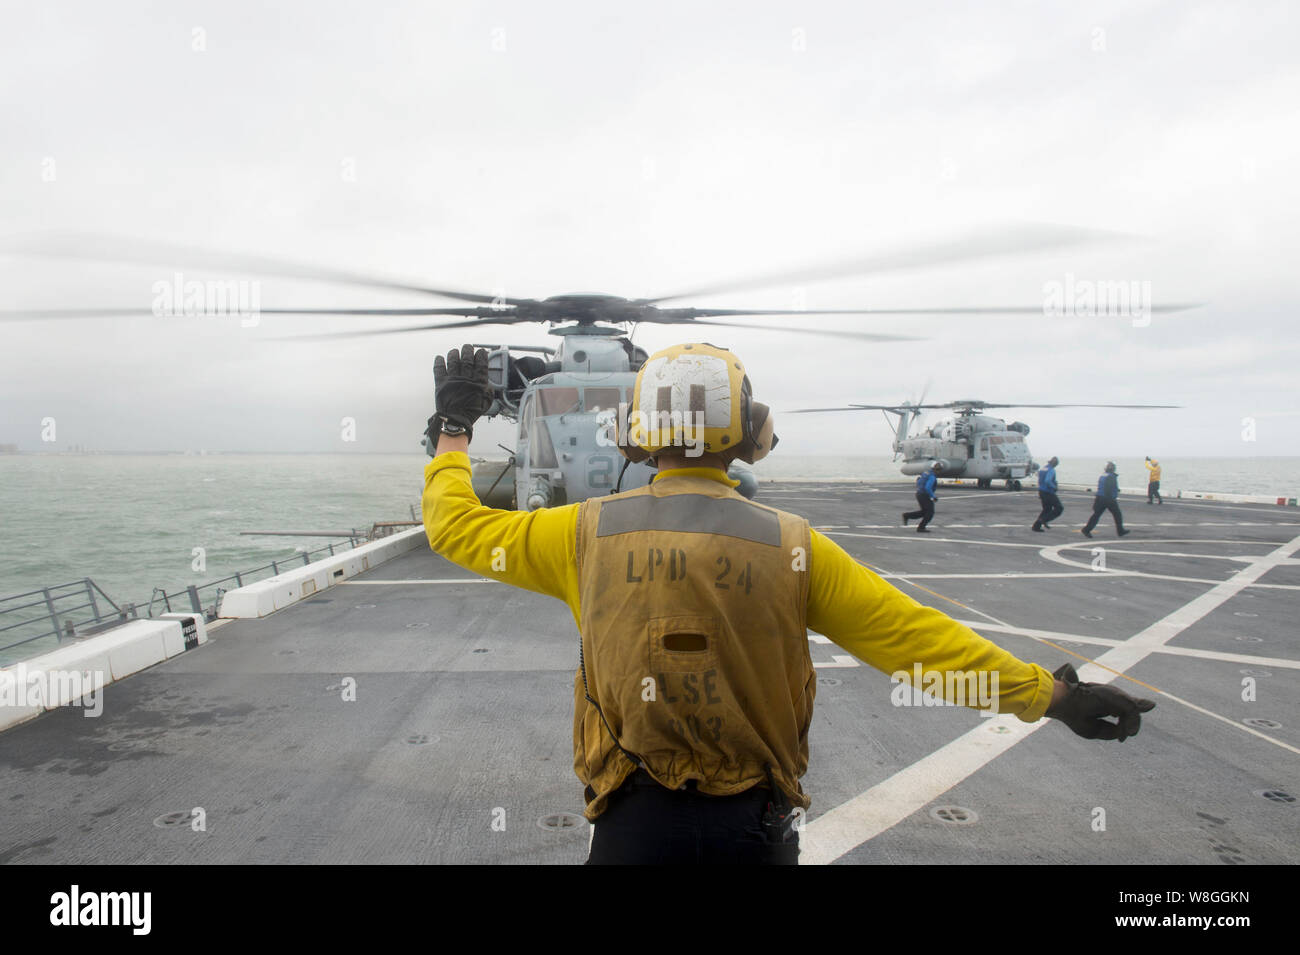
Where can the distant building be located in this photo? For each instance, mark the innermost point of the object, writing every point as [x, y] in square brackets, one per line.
[8, 449]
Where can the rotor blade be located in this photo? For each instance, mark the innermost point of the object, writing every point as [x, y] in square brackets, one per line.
[984, 405]
[479, 313]
[18, 315]
[670, 315]
[952, 405]
[941, 310]
[131, 251]
[1023, 239]
[22, 315]
[848, 408]
[662, 317]
[857, 336]
[363, 333]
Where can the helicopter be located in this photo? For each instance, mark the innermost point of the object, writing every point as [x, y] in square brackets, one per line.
[562, 399]
[566, 403]
[967, 445]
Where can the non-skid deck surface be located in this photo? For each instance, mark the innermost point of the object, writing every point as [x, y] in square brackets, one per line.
[459, 740]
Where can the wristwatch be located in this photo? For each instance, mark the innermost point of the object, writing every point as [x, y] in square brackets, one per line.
[446, 427]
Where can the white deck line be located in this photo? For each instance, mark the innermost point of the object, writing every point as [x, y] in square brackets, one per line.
[1221, 656]
[888, 803]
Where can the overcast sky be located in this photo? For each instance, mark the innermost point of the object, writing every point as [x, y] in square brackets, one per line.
[640, 149]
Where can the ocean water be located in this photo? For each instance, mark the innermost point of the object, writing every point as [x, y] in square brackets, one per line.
[132, 522]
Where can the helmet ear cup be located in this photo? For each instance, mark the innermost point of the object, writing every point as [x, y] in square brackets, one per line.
[760, 438]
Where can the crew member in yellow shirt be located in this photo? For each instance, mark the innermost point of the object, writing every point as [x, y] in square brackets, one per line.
[1153, 481]
[694, 689]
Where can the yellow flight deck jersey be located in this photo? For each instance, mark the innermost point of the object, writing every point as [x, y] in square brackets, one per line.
[720, 725]
[1154, 468]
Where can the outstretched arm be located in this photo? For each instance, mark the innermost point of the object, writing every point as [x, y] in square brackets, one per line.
[534, 550]
[892, 632]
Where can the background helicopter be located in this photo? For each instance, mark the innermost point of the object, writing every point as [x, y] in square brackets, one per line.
[968, 445]
[559, 398]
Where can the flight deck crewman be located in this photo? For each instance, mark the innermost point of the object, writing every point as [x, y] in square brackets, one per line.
[926, 483]
[1106, 499]
[1052, 506]
[1153, 481]
[694, 690]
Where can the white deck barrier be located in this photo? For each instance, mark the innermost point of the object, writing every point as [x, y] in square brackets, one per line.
[62, 677]
[74, 673]
[275, 593]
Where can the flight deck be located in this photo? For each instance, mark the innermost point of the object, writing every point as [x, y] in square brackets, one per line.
[417, 714]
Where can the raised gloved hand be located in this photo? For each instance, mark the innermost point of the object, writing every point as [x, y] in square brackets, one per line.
[1084, 706]
[461, 390]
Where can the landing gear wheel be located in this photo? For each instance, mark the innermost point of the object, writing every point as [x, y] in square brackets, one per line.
[983, 484]
[1015, 485]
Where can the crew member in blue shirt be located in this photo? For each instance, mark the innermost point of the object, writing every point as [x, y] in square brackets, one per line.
[1107, 499]
[926, 482]
[1052, 506]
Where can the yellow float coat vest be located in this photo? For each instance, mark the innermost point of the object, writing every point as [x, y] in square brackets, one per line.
[694, 641]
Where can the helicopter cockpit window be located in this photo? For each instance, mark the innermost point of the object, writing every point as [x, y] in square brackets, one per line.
[601, 399]
[541, 452]
[560, 400]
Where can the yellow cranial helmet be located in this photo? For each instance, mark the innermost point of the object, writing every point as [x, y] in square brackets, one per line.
[696, 397]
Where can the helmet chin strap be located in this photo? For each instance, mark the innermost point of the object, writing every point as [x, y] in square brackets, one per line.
[618, 485]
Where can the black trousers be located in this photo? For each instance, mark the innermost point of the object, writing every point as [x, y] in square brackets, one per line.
[926, 513]
[1101, 505]
[1153, 490]
[647, 824]
[1052, 508]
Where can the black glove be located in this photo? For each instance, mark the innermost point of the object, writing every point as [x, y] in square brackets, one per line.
[461, 391]
[1085, 704]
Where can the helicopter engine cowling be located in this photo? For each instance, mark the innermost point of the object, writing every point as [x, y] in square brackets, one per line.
[1018, 426]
